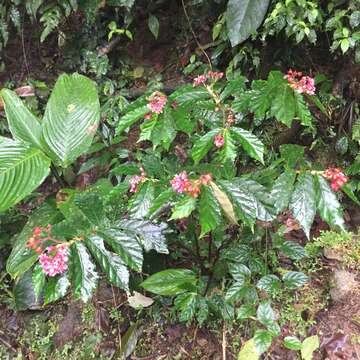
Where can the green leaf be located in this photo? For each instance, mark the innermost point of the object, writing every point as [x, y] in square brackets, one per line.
[38, 281]
[23, 292]
[233, 87]
[91, 205]
[22, 258]
[203, 145]
[55, 288]
[291, 153]
[292, 343]
[269, 283]
[112, 265]
[245, 311]
[228, 151]
[309, 345]
[188, 95]
[293, 250]
[154, 25]
[183, 208]
[294, 279]
[84, 277]
[262, 340]
[186, 305]
[24, 126]
[283, 105]
[243, 17]
[131, 118]
[170, 282]
[303, 201]
[239, 272]
[22, 169]
[161, 200]
[251, 144]
[209, 211]
[265, 314]
[236, 291]
[282, 190]
[71, 117]
[141, 201]
[125, 245]
[328, 205]
[150, 235]
[302, 110]
[248, 351]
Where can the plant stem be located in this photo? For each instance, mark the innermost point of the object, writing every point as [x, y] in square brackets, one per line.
[57, 176]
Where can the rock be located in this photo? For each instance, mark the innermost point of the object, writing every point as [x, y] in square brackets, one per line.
[344, 282]
[332, 254]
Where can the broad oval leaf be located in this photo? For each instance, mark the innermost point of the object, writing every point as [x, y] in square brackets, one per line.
[141, 201]
[21, 257]
[309, 345]
[263, 340]
[303, 201]
[23, 124]
[283, 105]
[269, 283]
[170, 282]
[183, 208]
[131, 118]
[294, 279]
[84, 277]
[292, 343]
[282, 190]
[22, 169]
[56, 288]
[71, 118]
[251, 144]
[225, 203]
[243, 17]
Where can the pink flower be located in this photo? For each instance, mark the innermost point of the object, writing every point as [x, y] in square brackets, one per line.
[215, 75]
[55, 260]
[337, 177]
[180, 182]
[302, 84]
[148, 116]
[157, 102]
[219, 140]
[199, 80]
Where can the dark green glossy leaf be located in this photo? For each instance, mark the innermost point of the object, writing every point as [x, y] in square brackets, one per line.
[203, 145]
[282, 190]
[292, 343]
[84, 277]
[131, 118]
[269, 283]
[209, 211]
[170, 282]
[183, 208]
[294, 279]
[161, 200]
[292, 153]
[38, 281]
[302, 110]
[141, 201]
[23, 292]
[303, 201]
[293, 250]
[265, 314]
[283, 105]
[245, 311]
[228, 151]
[263, 340]
[56, 288]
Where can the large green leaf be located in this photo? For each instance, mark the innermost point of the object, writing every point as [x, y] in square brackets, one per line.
[294, 279]
[150, 235]
[183, 208]
[125, 245]
[283, 104]
[71, 118]
[228, 151]
[56, 288]
[21, 257]
[327, 203]
[251, 144]
[170, 282]
[141, 201]
[243, 17]
[84, 277]
[248, 351]
[24, 126]
[203, 145]
[282, 190]
[22, 169]
[302, 110]
[303, 201]
[112, 265]
[209, 211]
[24, 294]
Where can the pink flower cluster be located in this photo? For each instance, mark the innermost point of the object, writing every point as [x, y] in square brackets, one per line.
[212, 75]
[136, 180]
[157, 102]
[181, 183]
[218, 140]
[337, 177]
[54, 260]
[300, 83]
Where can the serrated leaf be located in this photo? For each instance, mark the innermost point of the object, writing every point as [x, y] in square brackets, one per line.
[24, 126]
[131, 118]
[292, 343]
[111, 264]
[141, 201]
[228, 151]
[303, 201]
[309, 345]
[233, 87]
[22, 169]
[71, 117]
[248, 351]
[209, 211]
[125, 245]
[283, 105]
[22, 258]
[84, 277]
[224, 202]
[203, 145]
[188, 95]
[328, 205]
[38, 281]
[183, 208]
[293, 250]
[170, 282]
[294, 279]
[302, 110]
[161, 200]
[262, 340]
[269, 283]
[56, 288]
[251, 144]
[243, 17]
[282, 190]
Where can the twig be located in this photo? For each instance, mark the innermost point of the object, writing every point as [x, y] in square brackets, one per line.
[109, 46]
[23, 49]
[224, 341]
[194, 35]
[117, 321]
